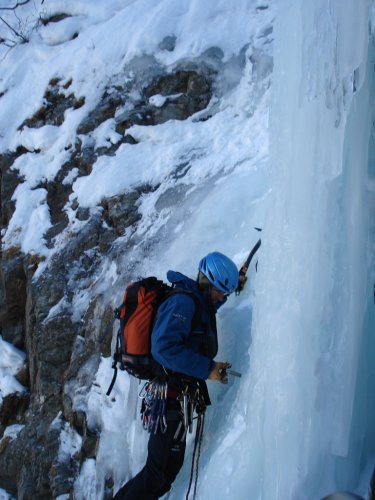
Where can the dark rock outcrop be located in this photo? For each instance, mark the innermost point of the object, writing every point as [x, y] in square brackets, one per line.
[186, 92]
[56, 101]
[9, 180]
[13, 298]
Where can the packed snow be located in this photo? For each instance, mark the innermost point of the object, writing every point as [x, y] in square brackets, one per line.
[288, 149]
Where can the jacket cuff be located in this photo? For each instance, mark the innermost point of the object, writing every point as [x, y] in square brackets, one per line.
[211, 367]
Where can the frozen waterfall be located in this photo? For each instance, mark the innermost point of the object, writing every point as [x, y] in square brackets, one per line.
[303, 422]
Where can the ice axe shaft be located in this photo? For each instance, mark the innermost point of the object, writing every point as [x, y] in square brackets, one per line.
[226, 371]
[245, 266]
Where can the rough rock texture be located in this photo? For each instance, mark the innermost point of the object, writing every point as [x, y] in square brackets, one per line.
[36, 311]
[13, 298]
[9, 181]
[56, 101]
[186, 92]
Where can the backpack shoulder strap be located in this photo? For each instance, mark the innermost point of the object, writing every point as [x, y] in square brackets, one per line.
[198, 307]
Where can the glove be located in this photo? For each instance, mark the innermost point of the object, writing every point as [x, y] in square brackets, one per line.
[219, 372]
[242, 278]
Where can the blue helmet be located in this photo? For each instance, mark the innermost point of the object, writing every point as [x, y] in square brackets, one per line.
[220, 271]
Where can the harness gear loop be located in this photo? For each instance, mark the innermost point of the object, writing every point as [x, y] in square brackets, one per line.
[154, 403]
[154, 395]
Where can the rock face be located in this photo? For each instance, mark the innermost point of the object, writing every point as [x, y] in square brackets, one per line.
[57, 100]
[36, 309]
[181, 94]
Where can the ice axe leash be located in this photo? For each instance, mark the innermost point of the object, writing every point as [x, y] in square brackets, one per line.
[245, 266]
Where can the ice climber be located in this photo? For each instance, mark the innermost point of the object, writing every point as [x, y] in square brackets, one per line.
[184, 343]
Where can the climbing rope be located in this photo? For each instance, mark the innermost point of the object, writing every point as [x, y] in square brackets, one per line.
[197, 448]
[153, 413]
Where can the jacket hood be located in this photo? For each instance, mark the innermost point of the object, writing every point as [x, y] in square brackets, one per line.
[180, 280]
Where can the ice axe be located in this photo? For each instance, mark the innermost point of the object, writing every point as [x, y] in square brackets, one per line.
[224, 372]
[245, 266]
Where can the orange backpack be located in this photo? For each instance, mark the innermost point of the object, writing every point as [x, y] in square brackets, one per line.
[137, 315]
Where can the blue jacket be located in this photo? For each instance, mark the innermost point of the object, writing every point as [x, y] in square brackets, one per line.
[176, 343]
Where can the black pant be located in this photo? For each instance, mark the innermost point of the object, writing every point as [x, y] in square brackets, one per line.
[165, 458]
